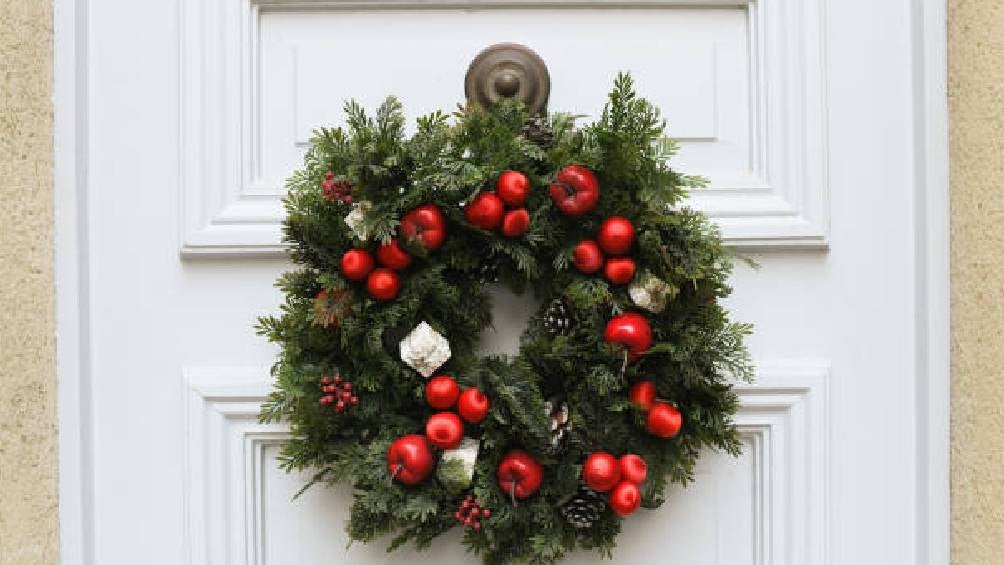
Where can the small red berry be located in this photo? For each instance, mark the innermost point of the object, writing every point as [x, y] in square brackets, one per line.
[619, 270]
[392, 255]
[383, 284]
[485, 211]
[587, 257]
[616, 235]
[515, 222]
[356, 264]
[473, 405]
[513, 188]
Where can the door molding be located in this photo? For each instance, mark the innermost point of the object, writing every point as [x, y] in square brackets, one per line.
[784, 417]
[73, 363]
[933, 278]
[229, 209]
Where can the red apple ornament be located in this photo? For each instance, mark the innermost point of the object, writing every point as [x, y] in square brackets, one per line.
[441, 392]
[513, 188]
[619, 270]
[587, 257]
[519, 474]
[485, 211]
[393, 256]
[630, 330]
[575, 190]
[444, 430]
[473, 405]
[625, 498]
[643, 395]
[633, 468]
[356, 264]
[664, 420]
[383, 284]
[426, 225]
[616, 235]
[409, 459]
[516, 222]
[601, 471]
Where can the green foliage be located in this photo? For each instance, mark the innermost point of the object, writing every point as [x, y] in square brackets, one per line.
[698, 351]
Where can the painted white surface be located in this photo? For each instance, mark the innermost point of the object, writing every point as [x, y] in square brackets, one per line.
[743, 86]
[768, 506]
[822, 128]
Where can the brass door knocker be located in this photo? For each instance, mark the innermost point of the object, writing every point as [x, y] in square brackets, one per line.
[508, 70]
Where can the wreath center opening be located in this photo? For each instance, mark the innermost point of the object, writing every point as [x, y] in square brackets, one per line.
[511, 313]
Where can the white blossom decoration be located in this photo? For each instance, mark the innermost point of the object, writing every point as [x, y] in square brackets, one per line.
[425, 350]
[355, 219]
[652, 294]
[466, 453]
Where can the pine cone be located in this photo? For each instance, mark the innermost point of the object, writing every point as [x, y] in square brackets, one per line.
[557, 317]
[584, 509]
[538, 131]
[488, 270]
[561, 425]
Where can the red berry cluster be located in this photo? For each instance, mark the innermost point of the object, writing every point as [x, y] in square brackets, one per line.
[338, 391]
[622, 477]
[332, 189]
[615, 238]
[444, 429]
[423, 226]
[662, 418]
[488, 209]
[470, 513]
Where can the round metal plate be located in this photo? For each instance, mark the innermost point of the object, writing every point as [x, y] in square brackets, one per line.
[508, 70]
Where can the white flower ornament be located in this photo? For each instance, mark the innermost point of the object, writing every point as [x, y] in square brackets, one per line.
[652, 294]
[467, 454]
[425, 350]
[355, 219]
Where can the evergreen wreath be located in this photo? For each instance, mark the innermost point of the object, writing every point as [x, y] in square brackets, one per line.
[623, 376]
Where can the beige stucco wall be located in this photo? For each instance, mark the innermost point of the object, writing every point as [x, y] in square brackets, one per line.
[976, 90]
[27, 375]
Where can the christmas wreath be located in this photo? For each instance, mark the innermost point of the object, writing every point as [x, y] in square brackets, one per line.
[623, 374]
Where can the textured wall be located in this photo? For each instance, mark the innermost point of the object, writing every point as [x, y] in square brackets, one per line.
[976, 90]
[27, 371]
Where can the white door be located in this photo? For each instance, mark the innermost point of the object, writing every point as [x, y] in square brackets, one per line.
[820, 125]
